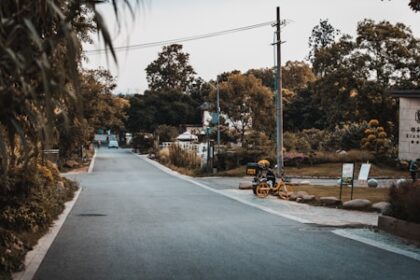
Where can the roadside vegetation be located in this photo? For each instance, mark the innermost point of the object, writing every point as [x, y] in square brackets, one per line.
[47, 102]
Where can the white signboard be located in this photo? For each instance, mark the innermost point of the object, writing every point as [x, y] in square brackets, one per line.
[364, 172]
[347, 174]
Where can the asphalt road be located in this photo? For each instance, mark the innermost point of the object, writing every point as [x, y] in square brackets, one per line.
[134, 221]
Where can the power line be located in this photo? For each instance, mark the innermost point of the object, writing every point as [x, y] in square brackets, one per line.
[183, 39]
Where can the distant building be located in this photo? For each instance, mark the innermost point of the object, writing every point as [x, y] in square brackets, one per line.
[409, 124]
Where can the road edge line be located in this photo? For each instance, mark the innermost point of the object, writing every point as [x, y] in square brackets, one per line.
[34, 258]
[373, 243]
[92, 163]
[191, 180]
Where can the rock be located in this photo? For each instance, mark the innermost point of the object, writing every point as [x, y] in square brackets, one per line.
[301, 194]
[71, 163]
[330, 201]
[307, 198]
[299, 199]
[401, 182]
[245, 185]
[293, 196]
[381, 207]
[372, 183]
[305, 182]
[357, 204]
[342, 152]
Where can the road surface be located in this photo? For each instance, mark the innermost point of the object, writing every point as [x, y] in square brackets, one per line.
[134, 221]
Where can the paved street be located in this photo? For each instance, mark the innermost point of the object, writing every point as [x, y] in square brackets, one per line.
[134, 221]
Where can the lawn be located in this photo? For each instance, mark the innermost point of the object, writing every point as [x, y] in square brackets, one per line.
[373, 194]
[325, 170]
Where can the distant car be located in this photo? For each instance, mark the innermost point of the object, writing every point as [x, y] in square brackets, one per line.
[113, 144]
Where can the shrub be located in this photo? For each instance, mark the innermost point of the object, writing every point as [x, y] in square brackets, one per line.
[405, 202]
[184, 158]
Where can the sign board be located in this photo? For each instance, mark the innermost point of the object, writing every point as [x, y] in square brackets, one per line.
[347, 173]
[364, 172]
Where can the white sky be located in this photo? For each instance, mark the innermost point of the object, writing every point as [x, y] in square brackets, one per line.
[161, 20]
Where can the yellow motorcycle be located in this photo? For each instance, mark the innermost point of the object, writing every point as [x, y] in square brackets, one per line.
[264, 182]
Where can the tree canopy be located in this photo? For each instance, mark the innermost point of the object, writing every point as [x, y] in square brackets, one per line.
[171, 70]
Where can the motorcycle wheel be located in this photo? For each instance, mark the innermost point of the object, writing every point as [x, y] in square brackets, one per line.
[262, 190]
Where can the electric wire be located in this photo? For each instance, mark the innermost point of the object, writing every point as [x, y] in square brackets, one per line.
[183, 39]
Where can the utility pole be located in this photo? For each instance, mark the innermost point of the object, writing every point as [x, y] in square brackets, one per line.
[279, 101]
[218, 115]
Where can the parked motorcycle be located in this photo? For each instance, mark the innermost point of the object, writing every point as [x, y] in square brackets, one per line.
[265, 181]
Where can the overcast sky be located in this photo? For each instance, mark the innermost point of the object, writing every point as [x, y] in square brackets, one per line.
[159, 20]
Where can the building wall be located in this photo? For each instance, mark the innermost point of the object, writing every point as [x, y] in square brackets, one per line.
[409, 129]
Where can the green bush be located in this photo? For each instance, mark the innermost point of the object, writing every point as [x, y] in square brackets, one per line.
[405, 202]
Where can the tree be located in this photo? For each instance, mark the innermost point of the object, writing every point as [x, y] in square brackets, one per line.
[415, 5]
[322, 36]
[168, 107]
[247, 103]
[40, 50]
[296, 75]
[99, 109]
[171, 70]
[391, 54]
[266, 75]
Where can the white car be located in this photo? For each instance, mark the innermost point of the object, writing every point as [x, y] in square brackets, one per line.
[113, 144]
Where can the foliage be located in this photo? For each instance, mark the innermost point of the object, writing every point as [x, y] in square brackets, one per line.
[405, 202]
[354, 76]
[40, 50]
[415, 5]
[177, 156]
[166, 133]
[98, 109]
[171, 70]
[322, 36]
[31, 207]
[296, 75]
[242, 99]
[169, 107]
[142, 143]
[376, 139]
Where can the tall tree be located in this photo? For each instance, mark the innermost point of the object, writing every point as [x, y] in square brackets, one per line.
[296, 75]
[247, 103]
[168, 107]
[171, 70]
[40, 50]
[323, 35]
[415, 5]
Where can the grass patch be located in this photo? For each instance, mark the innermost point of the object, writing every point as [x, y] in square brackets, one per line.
[373, 194]
[324, 170]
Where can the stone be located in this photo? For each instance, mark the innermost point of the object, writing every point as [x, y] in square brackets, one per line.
[357, 204]
[307, 198]
[372, 183]
[381, 207]
[301, 194]
[330, 201]
[299, 199]
[292, 196]
[401, 182]
[245, 185]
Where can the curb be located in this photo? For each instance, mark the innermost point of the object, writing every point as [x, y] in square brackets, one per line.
[92, 163]
[33, 258]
